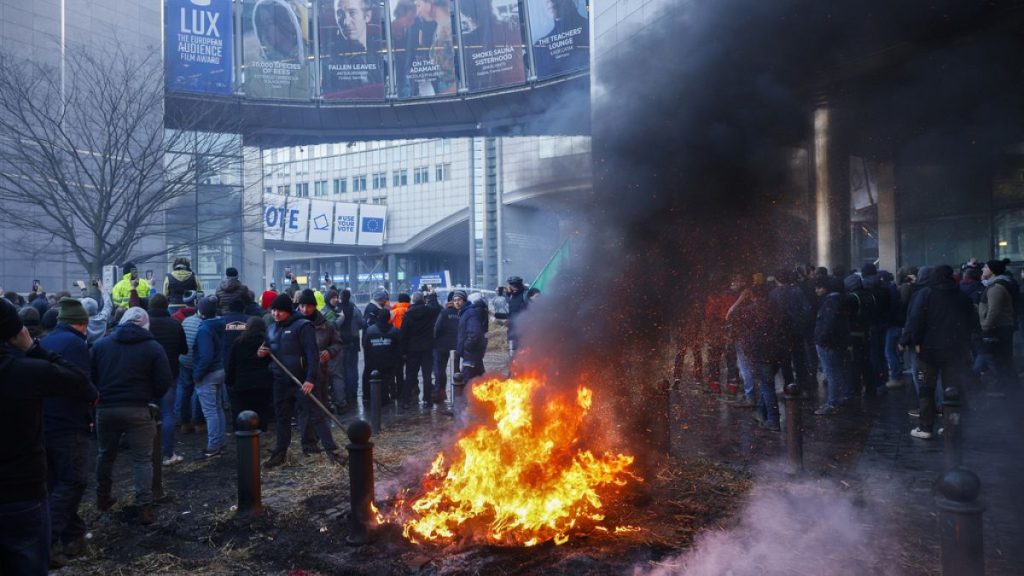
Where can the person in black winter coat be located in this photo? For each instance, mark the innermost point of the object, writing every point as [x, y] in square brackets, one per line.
[518, 302]
[328, 346]
[131, 371]
[382, 351]
[831, 337]
[230, 289]
[472, 340]
[418, 346]
[67, 424]
[940, 325]
[169, 333]
[862, 307]
[348, 330]
[29, 373]
[758, 324]
[247, 376]
[446, 340]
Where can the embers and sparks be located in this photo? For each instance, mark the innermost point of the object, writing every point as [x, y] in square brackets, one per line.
[522, 478]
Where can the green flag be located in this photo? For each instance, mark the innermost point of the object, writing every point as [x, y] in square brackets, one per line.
[553, 267]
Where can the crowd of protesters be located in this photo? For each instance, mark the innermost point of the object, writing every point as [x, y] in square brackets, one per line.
[861, 333]
[109, 366]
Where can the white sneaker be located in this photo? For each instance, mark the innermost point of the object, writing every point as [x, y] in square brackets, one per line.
[918, 433]
[174, 459]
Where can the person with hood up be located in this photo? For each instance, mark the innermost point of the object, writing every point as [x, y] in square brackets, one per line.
[179, 281]
[98, 319]
[208, 374]
[446, 340]
[831, 337]
[862, 308]
[940, 324]
[29, 373]
[247, 377]
[471, 344]
[382, 351]
[418, 346]
[230, 289]
[131, 371]
[122, 291]
[999, 321]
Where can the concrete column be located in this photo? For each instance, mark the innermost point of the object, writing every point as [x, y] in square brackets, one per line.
[888, 238]
[831, 191]
[392, 269]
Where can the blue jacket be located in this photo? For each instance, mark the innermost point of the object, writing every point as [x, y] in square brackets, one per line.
[472, 341]
[130, 368]
[294, 343]
[63, 414]
[831, 327]
[207, 354]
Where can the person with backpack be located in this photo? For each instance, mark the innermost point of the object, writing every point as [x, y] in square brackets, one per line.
[997, 311]
[862, 310]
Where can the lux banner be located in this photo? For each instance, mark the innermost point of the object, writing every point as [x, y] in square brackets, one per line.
[198, 46]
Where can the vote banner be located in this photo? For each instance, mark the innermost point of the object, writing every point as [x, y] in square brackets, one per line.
[298, 220]
[372, 224]
[321, 219]
[275, 215]
[346, 216]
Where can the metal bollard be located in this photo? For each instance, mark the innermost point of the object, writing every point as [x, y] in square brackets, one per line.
[247, 432]
[794, 428]
[158, 464]
[375, 399]
[360, 475]
[458, 397]
[960, 523]
[951, 408]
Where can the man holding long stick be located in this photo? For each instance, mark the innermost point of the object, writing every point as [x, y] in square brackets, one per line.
[292, 340]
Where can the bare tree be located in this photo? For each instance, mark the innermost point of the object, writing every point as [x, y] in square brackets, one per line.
[85, 157]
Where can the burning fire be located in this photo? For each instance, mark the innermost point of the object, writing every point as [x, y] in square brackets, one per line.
[520, 479]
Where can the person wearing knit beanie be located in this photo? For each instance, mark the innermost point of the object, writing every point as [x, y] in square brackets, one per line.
[282, 302]
[998, 267]
[30, 319]
[72, 312]
[208, 307]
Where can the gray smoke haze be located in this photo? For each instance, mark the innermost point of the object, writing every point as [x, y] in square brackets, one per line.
[694, 133]
[792, 528]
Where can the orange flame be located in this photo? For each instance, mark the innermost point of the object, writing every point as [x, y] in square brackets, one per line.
[518, 479]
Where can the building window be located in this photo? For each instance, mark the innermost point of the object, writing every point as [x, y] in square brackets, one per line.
[268, 189]
[379, 200]
[443, 171]
[400, 178]
[284, 190]
[320, 188]
[359, 183]
[421, 175]
[380, 180]
[340, 186]
[302, 190]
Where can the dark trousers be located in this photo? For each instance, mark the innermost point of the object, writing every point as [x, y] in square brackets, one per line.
[68, 459]
[309, 430]
[794, 364]
[441, 360]
[259, 400]
[860, 363]
[135, 423]
[999, 343]
[350, 363]
[419, 364]
[952, 366]
[289, 401]
[389, 383]
[25, 537]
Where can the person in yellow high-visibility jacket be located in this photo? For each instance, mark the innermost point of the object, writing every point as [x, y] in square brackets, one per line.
[123, 290]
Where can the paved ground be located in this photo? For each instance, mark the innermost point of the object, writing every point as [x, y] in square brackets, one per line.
[867, 451]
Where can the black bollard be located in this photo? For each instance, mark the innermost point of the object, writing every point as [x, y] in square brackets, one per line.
[458, 397]
[247, 432]
[794, 428]
[376, 397]
[960, 523]
[360, 476]
[951, 408]
[158, 464]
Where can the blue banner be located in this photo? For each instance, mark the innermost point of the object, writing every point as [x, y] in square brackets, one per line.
[561, 36]
[197, 49]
